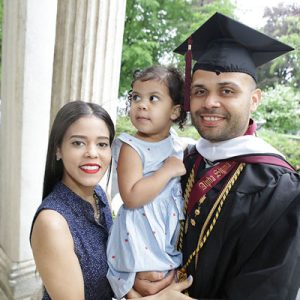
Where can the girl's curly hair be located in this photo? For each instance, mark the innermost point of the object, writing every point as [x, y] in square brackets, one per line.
[173, 80]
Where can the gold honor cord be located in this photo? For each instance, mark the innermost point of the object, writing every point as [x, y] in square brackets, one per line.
[186, 196]
[205, 232]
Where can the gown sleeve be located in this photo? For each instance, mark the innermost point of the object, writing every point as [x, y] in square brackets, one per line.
[265, 262]
[268, 264]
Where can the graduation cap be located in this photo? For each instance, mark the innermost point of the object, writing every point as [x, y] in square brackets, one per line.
[222, 44]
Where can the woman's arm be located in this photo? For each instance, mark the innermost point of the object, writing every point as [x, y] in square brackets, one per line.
[137, 190]
[56, 261]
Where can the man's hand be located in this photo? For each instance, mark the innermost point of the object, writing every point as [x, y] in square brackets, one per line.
[173, 291]
[150, 283]
[133, 294]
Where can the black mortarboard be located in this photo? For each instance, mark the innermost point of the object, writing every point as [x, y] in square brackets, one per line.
[222, 44]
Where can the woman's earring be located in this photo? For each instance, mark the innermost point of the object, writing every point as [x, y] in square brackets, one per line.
[58, 157]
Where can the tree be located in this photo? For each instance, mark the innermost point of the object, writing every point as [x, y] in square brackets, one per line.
[283, 23]
[280, 108]
[149, 26]
[153, 29]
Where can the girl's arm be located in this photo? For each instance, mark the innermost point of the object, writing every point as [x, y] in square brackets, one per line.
[56, 261]
[137, 190]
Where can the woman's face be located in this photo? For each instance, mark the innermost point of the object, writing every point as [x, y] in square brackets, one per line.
[86, 154]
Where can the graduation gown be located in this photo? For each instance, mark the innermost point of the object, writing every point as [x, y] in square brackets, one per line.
[252, 251]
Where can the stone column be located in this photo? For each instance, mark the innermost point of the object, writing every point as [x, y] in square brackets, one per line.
[88, 50]
[53, 51]
[27, 60]
[88, 47]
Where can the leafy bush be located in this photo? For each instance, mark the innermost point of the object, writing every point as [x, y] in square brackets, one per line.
[280, 108]
[287, 145]
[124, 125]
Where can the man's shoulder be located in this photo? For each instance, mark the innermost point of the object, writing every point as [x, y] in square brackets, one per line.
[260, 176]
[271, 170]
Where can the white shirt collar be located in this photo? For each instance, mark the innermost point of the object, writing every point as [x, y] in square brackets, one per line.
[243, 145]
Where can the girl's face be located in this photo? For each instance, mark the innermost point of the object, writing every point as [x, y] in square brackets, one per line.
[152, 110]
[85, 153]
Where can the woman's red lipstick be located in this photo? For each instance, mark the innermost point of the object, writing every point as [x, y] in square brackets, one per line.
[90, 168]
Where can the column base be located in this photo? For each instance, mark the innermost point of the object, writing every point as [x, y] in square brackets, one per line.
[18, 281]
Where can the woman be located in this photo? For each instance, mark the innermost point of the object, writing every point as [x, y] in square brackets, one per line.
[70, 228]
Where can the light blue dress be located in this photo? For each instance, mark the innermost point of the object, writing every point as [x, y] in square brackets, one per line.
[144, 239]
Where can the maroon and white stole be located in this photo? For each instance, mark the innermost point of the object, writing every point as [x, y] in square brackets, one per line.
[214, 175]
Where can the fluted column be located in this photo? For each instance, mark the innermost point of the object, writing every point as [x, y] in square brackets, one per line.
[89, 38]
[27, 60]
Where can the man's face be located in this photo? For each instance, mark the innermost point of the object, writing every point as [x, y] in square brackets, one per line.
[221, 105]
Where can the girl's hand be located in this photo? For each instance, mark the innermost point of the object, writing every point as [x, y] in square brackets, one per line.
[174, 166]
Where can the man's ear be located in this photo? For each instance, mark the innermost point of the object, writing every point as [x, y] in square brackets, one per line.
[255, 100]
[175, 112]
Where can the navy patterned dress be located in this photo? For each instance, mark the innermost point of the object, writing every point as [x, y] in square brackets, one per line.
[90, 237]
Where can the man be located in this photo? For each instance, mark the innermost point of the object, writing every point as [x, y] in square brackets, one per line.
[241, 236]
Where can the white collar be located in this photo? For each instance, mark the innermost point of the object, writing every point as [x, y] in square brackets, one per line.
[243, 145]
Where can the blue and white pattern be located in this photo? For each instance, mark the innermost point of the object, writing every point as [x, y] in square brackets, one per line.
[89, 236]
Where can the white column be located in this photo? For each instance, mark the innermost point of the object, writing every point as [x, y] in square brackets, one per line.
[88, 49]
[27, 68]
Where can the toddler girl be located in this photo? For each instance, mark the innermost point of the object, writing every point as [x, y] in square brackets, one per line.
[145, 232]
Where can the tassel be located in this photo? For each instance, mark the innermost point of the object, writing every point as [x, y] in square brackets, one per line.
[187, 82]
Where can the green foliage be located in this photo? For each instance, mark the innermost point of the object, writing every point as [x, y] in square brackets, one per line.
[289, 146]
[153, 29]
[187, 131]
[124, 125]
[280, 108]
[283, 23]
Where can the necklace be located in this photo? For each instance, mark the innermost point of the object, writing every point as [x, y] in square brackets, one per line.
[97, 211]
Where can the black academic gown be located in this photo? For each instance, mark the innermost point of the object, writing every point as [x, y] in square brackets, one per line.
[253, 251]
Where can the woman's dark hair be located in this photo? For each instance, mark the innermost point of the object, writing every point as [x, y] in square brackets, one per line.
[65, 117]
[173, 80]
